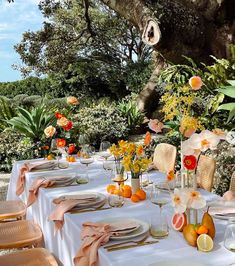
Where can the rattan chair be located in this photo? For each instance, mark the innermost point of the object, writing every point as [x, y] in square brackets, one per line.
[19, 234]
[232, 183]
[12, 209]
[29, 257]
[164, 157]
[205, 172]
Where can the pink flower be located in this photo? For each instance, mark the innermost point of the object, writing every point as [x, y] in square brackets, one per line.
[155, 125]
[195, 83]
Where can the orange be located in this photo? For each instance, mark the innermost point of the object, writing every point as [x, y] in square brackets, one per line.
[126, 187]
[70, 159]
[141, 194]
[50, 157]
[78, 154]
[110, 188]
[117, 192]
[126, 193]
[135, 198]
[202, 229]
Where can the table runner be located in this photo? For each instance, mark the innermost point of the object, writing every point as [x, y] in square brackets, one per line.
[172, 248]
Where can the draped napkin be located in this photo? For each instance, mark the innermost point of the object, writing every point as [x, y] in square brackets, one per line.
[33, 191]
[65, 204]
[25, 168]
[95, 235]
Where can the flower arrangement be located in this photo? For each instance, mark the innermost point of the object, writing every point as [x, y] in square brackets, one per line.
[130, 157]
[61, 131]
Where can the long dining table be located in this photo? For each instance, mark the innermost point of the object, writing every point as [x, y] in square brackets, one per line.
[173, 249]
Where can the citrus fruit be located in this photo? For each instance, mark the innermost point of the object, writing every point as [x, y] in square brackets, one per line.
[205, 243]
[117, 192]
[135, 198]
[202, 229]
[126, 187]
[50, 157]
[110, 188]
[141, 194]
[178, 221]
[126, 193]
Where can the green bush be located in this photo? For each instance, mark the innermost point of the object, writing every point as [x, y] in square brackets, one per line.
[102, 122]
[7, 111]
[13, 146]
[31, 101]
[128, 108]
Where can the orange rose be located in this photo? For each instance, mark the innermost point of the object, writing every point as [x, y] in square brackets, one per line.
[60, 143]
[195, 83]
[62, 122]
[49, 131]
[72, 100]
[170, 175]
[147, 138]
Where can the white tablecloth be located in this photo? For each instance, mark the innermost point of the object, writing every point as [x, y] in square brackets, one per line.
[172, 248]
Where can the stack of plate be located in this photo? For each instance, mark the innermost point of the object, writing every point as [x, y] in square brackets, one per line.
[139, 228]
[222, 209]
[50, 165]
[61, 180]
[87, 200]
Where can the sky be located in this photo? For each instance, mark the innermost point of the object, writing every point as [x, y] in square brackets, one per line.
[15, 19]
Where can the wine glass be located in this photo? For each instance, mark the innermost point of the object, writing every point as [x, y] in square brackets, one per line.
[86, 157]
[104, 152]
[159, 226]
[158, 197]
[109, 167]
[55, 149]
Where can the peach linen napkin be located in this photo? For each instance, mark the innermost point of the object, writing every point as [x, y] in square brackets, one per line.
[25, 168]
[95, 235]
[34, 189]
[65, 204]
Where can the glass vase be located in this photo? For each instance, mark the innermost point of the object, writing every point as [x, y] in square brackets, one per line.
[135, 184]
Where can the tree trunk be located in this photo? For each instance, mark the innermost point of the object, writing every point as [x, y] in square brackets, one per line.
[194, 28]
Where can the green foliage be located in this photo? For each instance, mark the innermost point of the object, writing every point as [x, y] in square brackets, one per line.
[102, 122]
[7, 111]
[13, 146]
[29, 86]
[128, 108]
[230, 92]
[32, 123]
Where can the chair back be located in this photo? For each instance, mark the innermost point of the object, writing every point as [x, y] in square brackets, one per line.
[164, 157]
[232, 182]
[205, 172]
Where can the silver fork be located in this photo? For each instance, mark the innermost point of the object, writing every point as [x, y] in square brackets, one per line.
[126, 242]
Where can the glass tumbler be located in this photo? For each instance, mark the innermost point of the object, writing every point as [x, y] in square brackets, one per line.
[229, 236]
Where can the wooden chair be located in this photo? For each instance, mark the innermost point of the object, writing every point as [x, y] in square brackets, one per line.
[164, 157]
[12, 209]
[19, 234]
[205, 172]
[29, 257]
[232, 182]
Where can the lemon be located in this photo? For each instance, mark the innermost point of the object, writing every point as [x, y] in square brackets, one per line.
[205, 243]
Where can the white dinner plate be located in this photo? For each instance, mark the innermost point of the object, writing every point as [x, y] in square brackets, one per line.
[99, 201]
[177, 263]
[222, 209]
[142, 229]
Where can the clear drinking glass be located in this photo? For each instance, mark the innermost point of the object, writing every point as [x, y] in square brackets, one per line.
[104, 152]
[159, 226]
[55, 149]
[86, 158]
[159, 197]
[229, 236]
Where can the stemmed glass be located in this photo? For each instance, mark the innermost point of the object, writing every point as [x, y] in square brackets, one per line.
[86, 157]
[55, 149]
[159, 227]
[104, 146]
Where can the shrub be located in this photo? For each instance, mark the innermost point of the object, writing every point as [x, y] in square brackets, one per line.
[128, 108]
[31, 101]
[102, 122]
[13, 146]
[7, 111]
